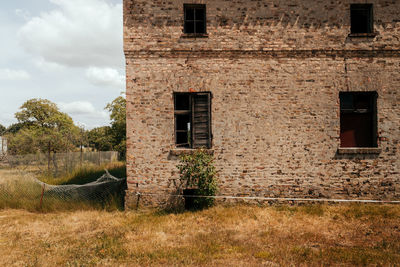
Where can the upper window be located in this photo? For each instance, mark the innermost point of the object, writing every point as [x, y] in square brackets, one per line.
[193, 120]
[361, 16]
[195, 19]
[358, 120]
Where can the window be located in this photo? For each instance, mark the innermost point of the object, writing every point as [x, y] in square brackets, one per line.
[195, 19]
[361, 16]
[358, 120]
[193, 120]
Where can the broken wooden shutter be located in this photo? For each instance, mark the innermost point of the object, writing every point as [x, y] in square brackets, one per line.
[201, 120]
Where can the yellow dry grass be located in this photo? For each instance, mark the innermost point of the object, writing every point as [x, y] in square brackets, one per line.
[20, 190]
[221, 236]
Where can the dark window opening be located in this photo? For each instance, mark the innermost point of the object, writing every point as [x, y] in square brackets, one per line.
[182, 102]
[193, 119]
[195, 19]
[358, 119]
[361, 16]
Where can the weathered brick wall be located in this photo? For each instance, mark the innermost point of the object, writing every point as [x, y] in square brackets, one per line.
[258, 25]
[275, 115]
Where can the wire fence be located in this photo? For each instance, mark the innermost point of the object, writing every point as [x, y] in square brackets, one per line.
[21, 190]
[19, 187]
[57, 163]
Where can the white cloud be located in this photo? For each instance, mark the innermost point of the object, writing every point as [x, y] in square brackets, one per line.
[84, 111]
[77, 33]
[80, 108]
[6, 118]
[23, 14]
[106, 77]
[46, 66]
[14, 75]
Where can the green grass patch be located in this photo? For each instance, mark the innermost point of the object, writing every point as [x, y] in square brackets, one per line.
[87, 174]
[370, 211]
[23, 193]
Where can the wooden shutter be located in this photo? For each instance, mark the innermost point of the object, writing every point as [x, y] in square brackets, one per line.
[201, 120]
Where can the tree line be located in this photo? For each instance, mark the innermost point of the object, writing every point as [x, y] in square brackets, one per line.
[42, 127]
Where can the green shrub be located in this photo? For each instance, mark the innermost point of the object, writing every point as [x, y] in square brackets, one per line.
[197, 171]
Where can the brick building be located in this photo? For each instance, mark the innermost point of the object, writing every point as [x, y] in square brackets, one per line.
[294, 98]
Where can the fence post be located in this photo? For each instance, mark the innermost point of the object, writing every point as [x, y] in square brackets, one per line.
[66, 158]
[48, 159]
[138, 196]
[81, 156]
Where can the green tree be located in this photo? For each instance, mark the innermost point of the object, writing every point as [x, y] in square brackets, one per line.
[23, 142]
[117, 109]
[100, 138]
[14, 128]
[2, 130]
[43, 128]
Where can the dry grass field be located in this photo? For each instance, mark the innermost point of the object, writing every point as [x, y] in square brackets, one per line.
[313, 235]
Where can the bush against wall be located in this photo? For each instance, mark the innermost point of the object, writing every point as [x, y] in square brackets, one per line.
[198, 174]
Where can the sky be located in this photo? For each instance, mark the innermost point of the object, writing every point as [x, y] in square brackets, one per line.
[67, 51]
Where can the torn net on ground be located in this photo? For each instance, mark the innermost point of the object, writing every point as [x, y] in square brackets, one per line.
[25, 191]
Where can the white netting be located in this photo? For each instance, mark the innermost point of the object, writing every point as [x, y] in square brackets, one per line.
[23, 190]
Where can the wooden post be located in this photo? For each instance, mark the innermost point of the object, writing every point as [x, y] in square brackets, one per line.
[66, 158]
[138, 196]
[81, 156]
[48, 158]
[55, 163]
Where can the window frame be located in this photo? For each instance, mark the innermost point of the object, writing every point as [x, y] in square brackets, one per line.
[191, 113]
[354, 111]
[194, 34]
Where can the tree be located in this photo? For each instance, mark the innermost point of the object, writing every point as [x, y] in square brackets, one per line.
[43, 128]
[43, 113]
[117, 109]
[100, 138]
[2, 130]
[23, 142]
[14, 128]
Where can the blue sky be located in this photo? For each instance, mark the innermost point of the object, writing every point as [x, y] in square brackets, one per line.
[67, 51]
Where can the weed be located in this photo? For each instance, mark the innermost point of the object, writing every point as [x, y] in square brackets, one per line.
[370, 211]
[316, 210]
[265, 255]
